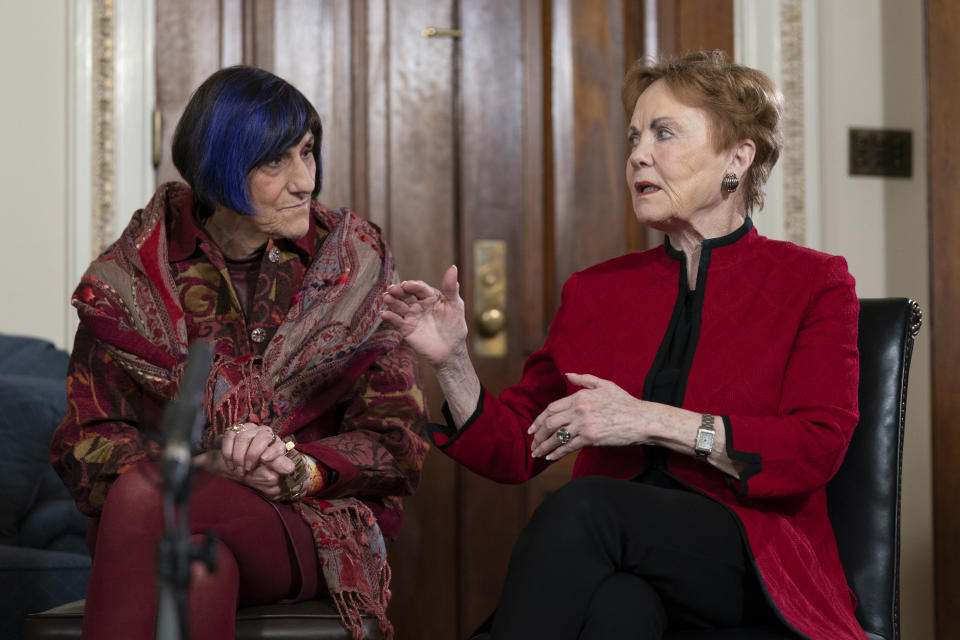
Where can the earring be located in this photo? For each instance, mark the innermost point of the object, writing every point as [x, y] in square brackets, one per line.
[730, 182]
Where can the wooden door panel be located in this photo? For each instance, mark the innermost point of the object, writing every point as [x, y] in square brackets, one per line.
[589, 137]
[312, 51]
[412, 176]
[188, 51]
[691, 25]
[943, 100]
[514, 132]
[491, 207]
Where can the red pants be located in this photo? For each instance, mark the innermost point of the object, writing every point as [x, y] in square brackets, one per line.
[257, 560]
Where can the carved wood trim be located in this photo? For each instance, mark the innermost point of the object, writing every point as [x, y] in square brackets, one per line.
[102, 219]
[792, 160]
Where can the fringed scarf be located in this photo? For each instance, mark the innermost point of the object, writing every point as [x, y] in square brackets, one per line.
[333, 327]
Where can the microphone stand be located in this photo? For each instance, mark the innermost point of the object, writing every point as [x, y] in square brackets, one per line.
[181, 425]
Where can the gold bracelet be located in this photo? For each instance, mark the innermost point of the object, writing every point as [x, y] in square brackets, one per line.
[293, 481]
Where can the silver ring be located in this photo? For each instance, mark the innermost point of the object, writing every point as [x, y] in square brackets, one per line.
[273, 439]
[564, 435]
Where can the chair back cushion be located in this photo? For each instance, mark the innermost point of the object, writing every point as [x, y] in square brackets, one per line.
[26, 356]
[864, 497]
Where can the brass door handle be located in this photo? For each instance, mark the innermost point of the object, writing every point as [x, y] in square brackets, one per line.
[490, 298]
[157, 138]
[433, 32]
[491, 322]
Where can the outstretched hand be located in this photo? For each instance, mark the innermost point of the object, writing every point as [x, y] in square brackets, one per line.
[431, 320]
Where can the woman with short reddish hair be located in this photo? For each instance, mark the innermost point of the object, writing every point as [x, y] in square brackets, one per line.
[707, 386]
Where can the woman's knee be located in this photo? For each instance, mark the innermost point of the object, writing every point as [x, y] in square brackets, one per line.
[213, 593]
[576, 516]
[134, 498]
[624, 606]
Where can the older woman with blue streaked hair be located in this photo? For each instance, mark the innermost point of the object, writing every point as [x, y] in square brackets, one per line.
[313, 409]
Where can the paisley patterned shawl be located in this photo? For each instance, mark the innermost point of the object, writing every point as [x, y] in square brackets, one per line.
[127, 300]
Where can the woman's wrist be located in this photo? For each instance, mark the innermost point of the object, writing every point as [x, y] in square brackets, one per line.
[673, 428]
[456, 366]
[460, 385]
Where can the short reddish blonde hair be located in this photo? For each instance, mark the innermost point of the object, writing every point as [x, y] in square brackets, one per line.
[741, 103]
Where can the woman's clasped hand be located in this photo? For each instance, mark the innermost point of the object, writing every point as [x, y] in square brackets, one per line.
[253, 455]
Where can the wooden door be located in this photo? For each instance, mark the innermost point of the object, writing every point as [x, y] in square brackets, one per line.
[513, 132]
[943, 101]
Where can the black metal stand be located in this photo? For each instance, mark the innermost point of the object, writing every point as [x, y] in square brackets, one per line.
[175, 553]
[181, 425]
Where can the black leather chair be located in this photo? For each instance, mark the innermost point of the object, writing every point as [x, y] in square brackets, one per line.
[864, 497]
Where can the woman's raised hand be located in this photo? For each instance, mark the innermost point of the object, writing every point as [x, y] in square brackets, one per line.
[431, 321]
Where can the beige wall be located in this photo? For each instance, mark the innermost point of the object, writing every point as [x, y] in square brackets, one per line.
[33, 169]
[872, 75]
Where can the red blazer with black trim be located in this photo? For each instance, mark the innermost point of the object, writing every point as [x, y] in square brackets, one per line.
[776, 357]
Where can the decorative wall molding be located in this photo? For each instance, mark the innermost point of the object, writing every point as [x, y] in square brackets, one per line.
[103, 132]
[111, 94]
[779, 38]
[791, 84]
[135, 91]
[79, 150]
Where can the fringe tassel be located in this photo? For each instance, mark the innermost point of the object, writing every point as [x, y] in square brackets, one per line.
[237, 403]
[341, 536]
[351, 606]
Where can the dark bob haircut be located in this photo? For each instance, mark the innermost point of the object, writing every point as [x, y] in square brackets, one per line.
[239, 118]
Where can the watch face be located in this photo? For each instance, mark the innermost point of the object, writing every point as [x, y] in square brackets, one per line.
[704, 441]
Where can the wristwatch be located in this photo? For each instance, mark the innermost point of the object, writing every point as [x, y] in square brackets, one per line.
[705, 435]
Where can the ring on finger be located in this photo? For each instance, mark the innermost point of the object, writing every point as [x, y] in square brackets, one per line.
[237, 428]
[564, 435]
[273, 439]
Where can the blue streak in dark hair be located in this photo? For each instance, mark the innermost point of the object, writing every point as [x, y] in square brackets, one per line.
[238, 119]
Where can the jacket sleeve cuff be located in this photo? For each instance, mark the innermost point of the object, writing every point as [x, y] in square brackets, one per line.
[336, 469]
[444, 435]
[753, 461]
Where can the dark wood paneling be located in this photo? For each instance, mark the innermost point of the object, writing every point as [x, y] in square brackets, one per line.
[589, 135]
[633, 50]
[189, 52]
[534, 137]
[690, 25]
[362, 31]
[943, 52]
[411, 181]
[324, 75]
[258, 33]
[373, 104]
[515, 132]
[492, 196]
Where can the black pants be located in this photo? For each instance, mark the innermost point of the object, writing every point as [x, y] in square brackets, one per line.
[606, 558]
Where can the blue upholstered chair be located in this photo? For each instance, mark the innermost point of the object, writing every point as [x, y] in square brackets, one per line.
[43, 556]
